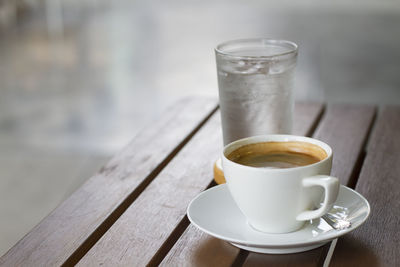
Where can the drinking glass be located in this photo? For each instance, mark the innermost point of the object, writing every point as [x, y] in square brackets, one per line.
[255, 80]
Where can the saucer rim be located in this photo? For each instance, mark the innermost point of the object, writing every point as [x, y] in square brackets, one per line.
[325, 237]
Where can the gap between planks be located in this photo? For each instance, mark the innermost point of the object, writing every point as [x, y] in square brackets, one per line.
[376, 242]
[87, 210]
[330, 131]
[307, 117]
[171, 240]
[346, 128]
[146, 225]
[109, 221]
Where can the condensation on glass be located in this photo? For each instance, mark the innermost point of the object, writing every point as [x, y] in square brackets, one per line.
[255, 79]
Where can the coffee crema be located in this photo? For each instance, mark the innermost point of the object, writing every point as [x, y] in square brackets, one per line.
[278, 155]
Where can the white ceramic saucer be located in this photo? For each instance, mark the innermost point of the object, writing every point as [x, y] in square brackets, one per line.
[214, 212]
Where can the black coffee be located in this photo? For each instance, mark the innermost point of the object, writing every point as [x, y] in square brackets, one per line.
[278, 154]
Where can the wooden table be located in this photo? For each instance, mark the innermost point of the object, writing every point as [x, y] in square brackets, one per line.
[133, 211]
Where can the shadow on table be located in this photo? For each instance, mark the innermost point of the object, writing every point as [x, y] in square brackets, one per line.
[308, 258]
[351, 251]
[215, 252]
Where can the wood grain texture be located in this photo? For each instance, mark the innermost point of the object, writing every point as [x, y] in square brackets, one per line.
[195, 248]
[147, 229]
[304, 259]
[376, 243]
[84, 217]
[306, 117]
[345, 128]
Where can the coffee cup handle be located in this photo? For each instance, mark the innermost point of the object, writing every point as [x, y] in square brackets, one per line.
[331, 187]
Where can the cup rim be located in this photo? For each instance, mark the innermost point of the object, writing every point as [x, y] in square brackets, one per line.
[292, 50]
[277, 138]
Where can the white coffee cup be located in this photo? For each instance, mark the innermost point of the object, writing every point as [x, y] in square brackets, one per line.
[281, 200]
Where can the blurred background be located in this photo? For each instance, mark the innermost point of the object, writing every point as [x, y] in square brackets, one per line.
[79, 78]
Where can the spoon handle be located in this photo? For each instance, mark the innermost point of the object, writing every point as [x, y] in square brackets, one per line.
[336, 223]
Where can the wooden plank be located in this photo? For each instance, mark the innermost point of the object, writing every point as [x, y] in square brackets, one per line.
[195, 248]
[304, 259]
[376, 243]
[150, 226]
[306, 117]
[71, 229]
[345, 128]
